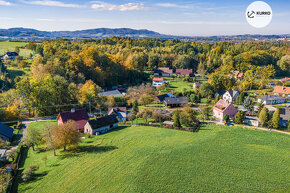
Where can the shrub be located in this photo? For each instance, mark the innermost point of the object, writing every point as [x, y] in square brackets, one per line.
[29, 173]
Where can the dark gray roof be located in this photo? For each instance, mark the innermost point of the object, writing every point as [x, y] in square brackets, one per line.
[234, 92]
[6, 131]
[284, 113]
[114, 93]
[12, 54]
[176, 101]
[103, 121]
[271, 97]
[220, 93]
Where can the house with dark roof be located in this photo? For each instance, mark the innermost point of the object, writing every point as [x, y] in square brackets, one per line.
[10, 55]
[183, 72]
[231, 96]
[120, 112]
[163, 71]
[101, 125]
[161, 98]
[222, 108]
[175, 102]
[220, 93]
[80, 116]
[6, 133]
[114, 93]
[284, 116]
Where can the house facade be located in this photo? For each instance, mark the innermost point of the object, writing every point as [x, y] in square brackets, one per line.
[231, 96]
[80, 116]
[271, 100]
[158, 82]
[101, 125]
[222, 108]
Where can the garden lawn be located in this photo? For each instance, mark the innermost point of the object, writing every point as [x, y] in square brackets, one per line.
[147, 159]
[178, 85]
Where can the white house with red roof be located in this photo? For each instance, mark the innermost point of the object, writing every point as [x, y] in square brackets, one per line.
[80, 116]
[158, 82]
[222, 108]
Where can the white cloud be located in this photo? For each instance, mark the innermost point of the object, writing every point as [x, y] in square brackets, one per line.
[99, 5]
[52, 3]
[5, 3]
[171, 5]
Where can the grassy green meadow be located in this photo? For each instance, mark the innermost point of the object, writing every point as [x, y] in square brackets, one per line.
[10, 46]
[147, 159]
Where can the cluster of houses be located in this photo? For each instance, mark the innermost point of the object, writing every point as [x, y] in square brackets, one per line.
[225, 105]
[94, 126]
[167, 72]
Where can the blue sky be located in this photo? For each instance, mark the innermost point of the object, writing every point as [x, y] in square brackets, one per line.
[183, 17]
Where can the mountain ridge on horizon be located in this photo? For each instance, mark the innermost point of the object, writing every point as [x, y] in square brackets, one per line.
[21, 33]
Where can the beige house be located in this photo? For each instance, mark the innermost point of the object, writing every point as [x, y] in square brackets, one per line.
[101, 125]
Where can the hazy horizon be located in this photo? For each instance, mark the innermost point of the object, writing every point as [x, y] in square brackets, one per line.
[183, 18]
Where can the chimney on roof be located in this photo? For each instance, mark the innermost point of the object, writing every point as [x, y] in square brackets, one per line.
[73, 110]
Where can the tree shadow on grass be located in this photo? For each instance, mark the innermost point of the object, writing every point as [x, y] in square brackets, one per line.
[118, 128]
[85, 150]
[203, 127]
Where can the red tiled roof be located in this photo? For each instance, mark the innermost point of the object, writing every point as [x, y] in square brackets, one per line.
[221, 105]
[166, 70]
[158, 79]
[285, 79]
[282, 90]
[80, 116]
[184, 71]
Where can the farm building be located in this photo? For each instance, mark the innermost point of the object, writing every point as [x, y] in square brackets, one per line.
[101, 125]
[161, 98]
[80, 116]
[163, 71]
[114, 93]
[184, 72]
[175, 102]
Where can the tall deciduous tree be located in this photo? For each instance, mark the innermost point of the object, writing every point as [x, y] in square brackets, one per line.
[264, 117]
[276, 119]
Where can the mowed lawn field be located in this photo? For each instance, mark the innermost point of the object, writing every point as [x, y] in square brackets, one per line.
[147, 159]
[10, 46]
